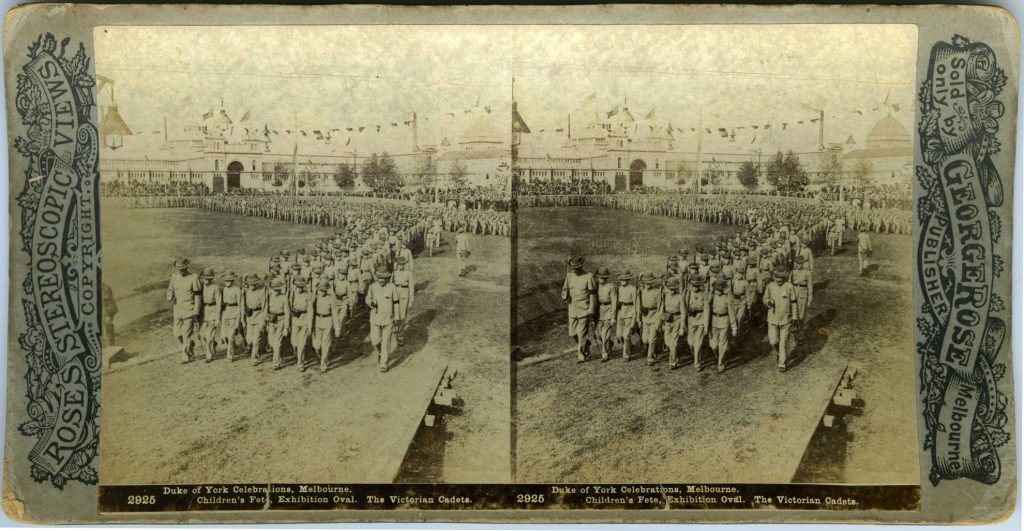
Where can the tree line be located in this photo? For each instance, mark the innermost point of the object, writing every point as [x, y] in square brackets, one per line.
[379, 173]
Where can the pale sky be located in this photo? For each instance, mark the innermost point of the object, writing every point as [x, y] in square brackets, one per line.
[343, 76]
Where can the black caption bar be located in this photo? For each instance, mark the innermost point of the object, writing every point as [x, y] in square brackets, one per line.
[337, 497]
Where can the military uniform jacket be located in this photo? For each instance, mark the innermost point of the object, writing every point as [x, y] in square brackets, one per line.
[723, 311]
[739, 288]
[650, 303]
[403, 280]
[386, 299]
[626, 299]
[182, 292]
[698, 308]
[780, 299]
[801, 280]
[581, 290]
[254, 303]
[607, 301]
[231, 298]
[672, 308]
[211, 303]
[322, 306]
[301, 305]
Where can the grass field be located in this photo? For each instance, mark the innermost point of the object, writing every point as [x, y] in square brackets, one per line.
[616, 422]
[164, 422]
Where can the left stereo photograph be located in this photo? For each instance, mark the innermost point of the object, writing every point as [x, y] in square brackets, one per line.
[306, 255]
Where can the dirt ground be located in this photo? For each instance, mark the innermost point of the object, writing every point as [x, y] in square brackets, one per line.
[616, 422]
[164, 422]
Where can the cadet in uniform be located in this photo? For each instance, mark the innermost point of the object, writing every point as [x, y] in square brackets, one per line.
[780, 300]
[863, 250]
[723, 317]
[462, 250]
[339, 291]
[803, 283]
[607, 302]
[580, 292]
[254, 302]
[382, 299]
[300, 302]
[625, 316]
[650, 320]
[403, 279]
[231, 315]
[698, 317]
[323, 322]
[185, 293]
[674, 318]
[279, 318]
[211, 314]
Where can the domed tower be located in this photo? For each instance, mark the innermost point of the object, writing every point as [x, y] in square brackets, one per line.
[888, 133]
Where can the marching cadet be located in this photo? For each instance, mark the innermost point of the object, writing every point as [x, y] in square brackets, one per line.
[803, 282]
[300, 302]
[698, 317]
[352, 276]
[404, 251]
[403, 279]
[317, 275]
[231, 315]
[431, 238]
[650, 320]
[673, 317]
[211, 314]
[752, 277]
[462, 249]
[580, 292]
[185, 294]
[723, 317]
[863, 251]
[382, 299]
[365, 271]
[738, 290]
[339, 290]
[279, 318]
[607, 302]
[625, 315]
[780, 300]
[323, 323]
[254, 301]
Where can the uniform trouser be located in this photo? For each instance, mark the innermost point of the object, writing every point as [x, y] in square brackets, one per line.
[862, 259]
[403, 315]
[778, 334]
[624, 329]
[695, 340]
[380, 337]
[254, 327]
[184, 331]
[228, 329]
[460, 262]
[605, 329]
[339, 311]
[579, 327]
[671, 336]
[322, 342]
[741, 309]
[649, 335]
[299, 336]
[353, 295]
[719, 341]
[208, 337]
[801, 303]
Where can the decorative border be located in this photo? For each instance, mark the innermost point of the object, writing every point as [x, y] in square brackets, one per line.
[59, 233]
[961, 321]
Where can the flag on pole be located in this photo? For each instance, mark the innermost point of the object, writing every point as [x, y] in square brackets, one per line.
[245, 117]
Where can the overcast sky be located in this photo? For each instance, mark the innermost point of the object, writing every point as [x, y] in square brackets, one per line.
[346, 76]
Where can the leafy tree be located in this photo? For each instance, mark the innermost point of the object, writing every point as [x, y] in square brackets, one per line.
[388, 179]
[748, 174]
[371, 172]
[862, 172]
[786, 173]
[426, 171]
[344, 176]
[281, 173]
[457, 173]
[830, 166]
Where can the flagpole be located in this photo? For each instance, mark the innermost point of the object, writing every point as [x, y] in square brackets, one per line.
[700, 144]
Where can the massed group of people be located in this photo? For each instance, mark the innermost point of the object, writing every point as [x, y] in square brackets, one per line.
[307, 298]
[706, 297]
